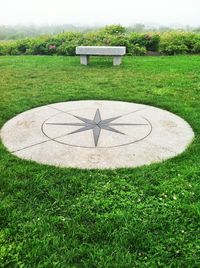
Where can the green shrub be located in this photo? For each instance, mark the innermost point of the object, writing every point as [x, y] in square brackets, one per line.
[30, 51]
[40, 48]
[169, 43]
[23, 45]
[4, 48]
[152, 43]
[172, 49]
[172, 43]
[149, 41]
[189, 40]
[67, 49]
[113, 30]
[119, 40]
[137, 50]
[137, 39]
[94, 39]
[16, 47]
[196, 48]
[13, 49]
[69, 37]
[104, 39]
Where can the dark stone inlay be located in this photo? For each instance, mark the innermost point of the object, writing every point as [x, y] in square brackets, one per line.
[96, 125]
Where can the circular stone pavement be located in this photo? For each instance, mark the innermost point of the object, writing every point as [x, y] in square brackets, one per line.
[96, 134]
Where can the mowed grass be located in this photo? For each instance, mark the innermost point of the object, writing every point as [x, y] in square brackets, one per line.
[143, 217]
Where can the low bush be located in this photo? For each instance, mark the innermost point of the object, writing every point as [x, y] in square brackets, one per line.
[137, 50]
[170, 43]
[67, 49]
[196, 48]
[4, 48]
[148, 41]
[178, 43]
[113, 30]
[173, 49]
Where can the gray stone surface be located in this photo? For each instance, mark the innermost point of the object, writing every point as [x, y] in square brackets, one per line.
[117, 60]
[101, 50]
[96, 134]
[86, 51]
[84, 59]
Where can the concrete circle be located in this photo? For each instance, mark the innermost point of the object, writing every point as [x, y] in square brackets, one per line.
[96, 134]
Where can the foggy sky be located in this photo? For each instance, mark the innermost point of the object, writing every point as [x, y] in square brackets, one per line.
[100, 12]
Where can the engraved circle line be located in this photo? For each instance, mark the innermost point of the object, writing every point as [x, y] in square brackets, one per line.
[90, 147]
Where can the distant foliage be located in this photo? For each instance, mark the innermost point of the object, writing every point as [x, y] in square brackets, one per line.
[168, 43]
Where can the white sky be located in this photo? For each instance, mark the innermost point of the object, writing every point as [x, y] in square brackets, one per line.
[90, 12]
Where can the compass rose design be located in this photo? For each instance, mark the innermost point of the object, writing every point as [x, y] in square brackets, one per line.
[96, 125]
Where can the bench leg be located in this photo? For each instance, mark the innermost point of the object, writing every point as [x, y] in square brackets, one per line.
[84, 59]
[117, 60]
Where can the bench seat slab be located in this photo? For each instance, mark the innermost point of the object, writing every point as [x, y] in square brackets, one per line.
[86, 51]
[101, 50]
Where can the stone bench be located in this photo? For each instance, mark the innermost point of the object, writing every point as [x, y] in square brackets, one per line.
[86, 51]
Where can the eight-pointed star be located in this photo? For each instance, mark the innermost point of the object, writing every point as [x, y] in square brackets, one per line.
[96, 125]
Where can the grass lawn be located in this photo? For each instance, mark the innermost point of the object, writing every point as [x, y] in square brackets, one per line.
[143, 217]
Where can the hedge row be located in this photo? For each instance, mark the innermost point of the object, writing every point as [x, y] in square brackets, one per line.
[170, 43]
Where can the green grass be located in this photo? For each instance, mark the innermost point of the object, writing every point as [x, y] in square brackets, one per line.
[143, 217]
